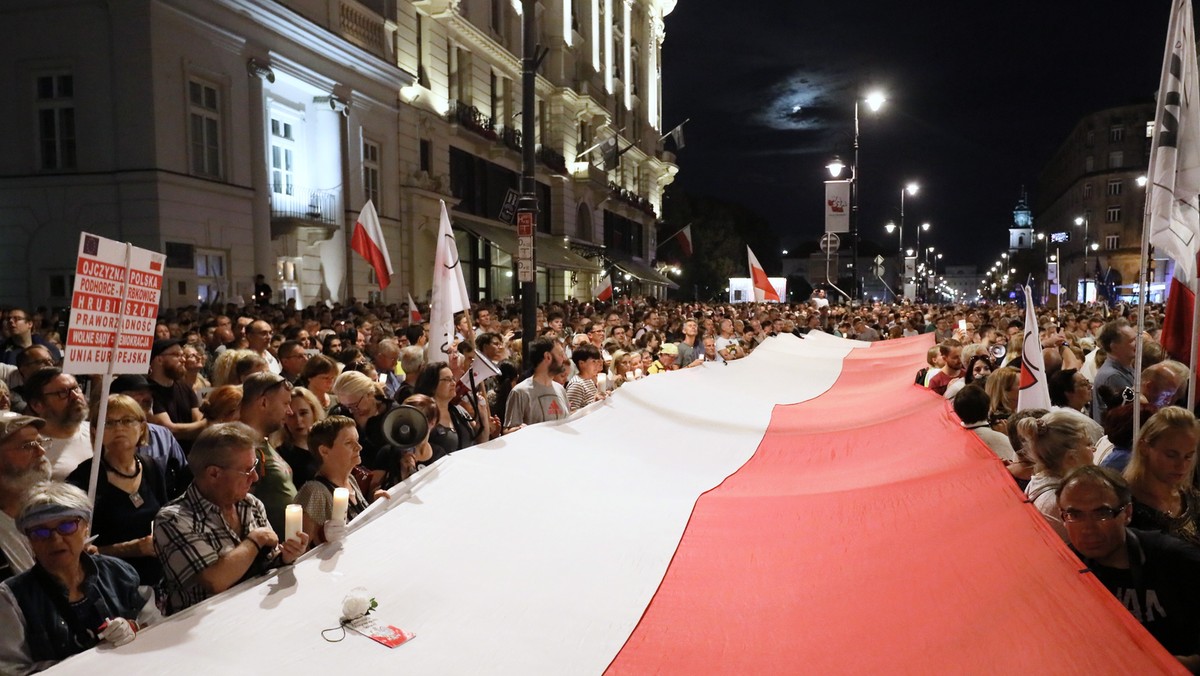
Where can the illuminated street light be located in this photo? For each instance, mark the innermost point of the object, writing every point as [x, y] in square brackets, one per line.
[836, 166]
[875, 101]
[1141, 181]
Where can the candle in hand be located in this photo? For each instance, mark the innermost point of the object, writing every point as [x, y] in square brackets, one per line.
[341, 498]
[293, 517]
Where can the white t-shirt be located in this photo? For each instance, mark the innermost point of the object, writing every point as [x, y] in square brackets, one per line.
[66, 454]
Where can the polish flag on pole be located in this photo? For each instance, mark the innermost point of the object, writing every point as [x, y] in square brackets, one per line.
[449, 293]
[414, 313]
[603, 290]
[763, 291]
[685, 239]
[1174, 180]
[368, 242]
[1033, 392]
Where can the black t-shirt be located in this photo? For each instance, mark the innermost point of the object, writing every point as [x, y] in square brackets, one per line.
[1159, 588]
[177, 400]
[304, 464]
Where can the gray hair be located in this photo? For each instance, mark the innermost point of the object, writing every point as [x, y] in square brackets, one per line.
[217, 444]
[49, 500]
[412, 358]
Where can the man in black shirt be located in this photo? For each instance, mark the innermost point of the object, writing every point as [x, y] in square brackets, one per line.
[176, 406]
[1152, 574]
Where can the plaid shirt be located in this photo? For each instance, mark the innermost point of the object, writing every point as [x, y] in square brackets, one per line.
[190, 535]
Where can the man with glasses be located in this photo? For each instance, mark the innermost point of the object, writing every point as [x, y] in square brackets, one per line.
[176, 405]
[19, 326]
[292, 359]
[266, 403]
[57, 398]
[216, 534]
[23, 464]
[1151, 573]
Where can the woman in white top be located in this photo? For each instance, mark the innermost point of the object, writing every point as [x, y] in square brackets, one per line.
[1057, 444]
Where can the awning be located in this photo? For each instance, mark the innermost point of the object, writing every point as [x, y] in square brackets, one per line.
[642, 271]
[551, 251]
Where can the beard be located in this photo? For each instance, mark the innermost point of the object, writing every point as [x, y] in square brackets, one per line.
[20, 482]
[175, 371]
[74, 414]
[557, 367]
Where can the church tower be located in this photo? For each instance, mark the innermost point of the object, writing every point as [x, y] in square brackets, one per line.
[1020, 233]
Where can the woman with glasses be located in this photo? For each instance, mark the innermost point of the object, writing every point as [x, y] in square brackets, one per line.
[193, 362]
[455, 429]
[70, 600]
[130, 489]
[1057, 443]
[1160, 474]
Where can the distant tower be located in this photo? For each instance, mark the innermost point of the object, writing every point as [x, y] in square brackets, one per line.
[1020, 233]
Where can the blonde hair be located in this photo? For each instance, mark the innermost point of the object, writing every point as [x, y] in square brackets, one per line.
[1052, 439]
[123, 403]
[285, 434]
[224, 370]
[352, 386]
[998, 385]
[1168, 419]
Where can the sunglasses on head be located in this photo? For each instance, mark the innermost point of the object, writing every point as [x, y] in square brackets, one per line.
[44, 532]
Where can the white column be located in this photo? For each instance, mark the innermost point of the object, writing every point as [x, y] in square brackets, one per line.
[627, 62]
[260, 210]
[608, 46]
[596, 35]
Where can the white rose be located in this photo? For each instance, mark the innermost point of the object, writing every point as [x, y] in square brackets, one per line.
[354, 607]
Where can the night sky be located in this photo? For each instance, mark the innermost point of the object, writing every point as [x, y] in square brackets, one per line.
[979, 97]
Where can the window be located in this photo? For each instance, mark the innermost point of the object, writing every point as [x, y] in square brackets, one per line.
[426, 156]
[370, 162]
[1087, 191]
[56, 121]
[1089, 163]
[422, 74]
[204, 128]
[494, 97]
[210, 275]
[1116, 133]
[283, 156]
[1113, 215]
[1150, 129]
[1112, 242]
[1114, 187]
[498, 16]
[460, 75]
[1116, 159]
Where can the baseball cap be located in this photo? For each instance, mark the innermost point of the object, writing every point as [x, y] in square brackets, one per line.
[162, 345]
[11, 422]
[129, 382]
[669, 348]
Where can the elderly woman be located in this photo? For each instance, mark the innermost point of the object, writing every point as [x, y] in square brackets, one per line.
[292, 442]
[1057, 443]
[335, 442]
[130, 489]
[70, 600]
[455, 429]
[1160, 475]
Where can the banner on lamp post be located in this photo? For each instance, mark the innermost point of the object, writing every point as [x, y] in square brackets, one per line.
[837, 206]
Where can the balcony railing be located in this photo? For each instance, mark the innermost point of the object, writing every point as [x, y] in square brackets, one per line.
[552, 159]
[469, 117]
[631, 198]
[511, 137]
[363, 27]
[316, 206]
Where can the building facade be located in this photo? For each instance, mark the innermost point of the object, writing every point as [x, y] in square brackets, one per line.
[243, 137]
[1090, 191]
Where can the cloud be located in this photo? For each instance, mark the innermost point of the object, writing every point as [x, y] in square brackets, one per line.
[806, 100]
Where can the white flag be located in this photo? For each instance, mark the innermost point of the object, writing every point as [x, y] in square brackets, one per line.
[1034, 392]
[1175, 149]
[449, 293]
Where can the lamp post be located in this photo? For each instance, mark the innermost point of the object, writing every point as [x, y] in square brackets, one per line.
[911, 188]
[874, 101]
[891, 227]
[1083, 220]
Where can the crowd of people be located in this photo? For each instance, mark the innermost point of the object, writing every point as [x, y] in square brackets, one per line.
[247, 411]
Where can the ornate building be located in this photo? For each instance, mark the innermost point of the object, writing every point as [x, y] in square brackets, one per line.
[244, 136]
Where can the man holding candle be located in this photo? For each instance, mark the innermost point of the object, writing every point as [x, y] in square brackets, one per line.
[216, 534]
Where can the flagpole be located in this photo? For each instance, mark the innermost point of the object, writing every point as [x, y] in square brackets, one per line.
[664, 136]
[664, 240]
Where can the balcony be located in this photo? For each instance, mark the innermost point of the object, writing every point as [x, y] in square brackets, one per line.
[304, 208]
[470, 118]
[363, 27]
[511, 137]
[552, 159]
[631, 198]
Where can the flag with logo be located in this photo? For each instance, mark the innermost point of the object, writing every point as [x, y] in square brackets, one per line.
[763, 291]
[1033, 392]
[449, 293]
[1174, 177]
[367, 241]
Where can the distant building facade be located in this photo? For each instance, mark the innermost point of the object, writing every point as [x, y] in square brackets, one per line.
[242, 137]
[1089, 189]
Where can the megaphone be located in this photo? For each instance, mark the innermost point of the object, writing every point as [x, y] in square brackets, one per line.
[403, 427]
[998, 352]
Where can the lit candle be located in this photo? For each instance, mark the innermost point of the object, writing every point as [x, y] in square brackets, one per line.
[637, 373]
[602, 382]
[293, 517]
[341, 498]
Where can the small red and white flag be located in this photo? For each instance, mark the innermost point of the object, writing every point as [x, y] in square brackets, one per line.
[414, 312]
[763, 291]
[603, 290]
[156, 266]
[685, 239]
[368, 242]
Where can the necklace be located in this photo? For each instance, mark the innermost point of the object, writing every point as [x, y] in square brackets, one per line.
[134, 497]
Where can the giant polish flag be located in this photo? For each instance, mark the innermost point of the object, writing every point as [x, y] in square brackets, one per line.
[367, 241]
[449, 292]
[836, 520]
[1174, 177]
[763, 291]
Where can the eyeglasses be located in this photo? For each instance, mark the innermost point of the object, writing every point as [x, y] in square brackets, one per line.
[446, 380]
[16, 318]
[1100, 514]
[63, 395]
[44, 532]
[248, 474]
[41, 362]
[123, 422]
[33, 444]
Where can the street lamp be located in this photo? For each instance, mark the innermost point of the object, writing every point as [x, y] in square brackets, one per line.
[890, 227]
[874, 101]
[1083, 220]
[911, 189]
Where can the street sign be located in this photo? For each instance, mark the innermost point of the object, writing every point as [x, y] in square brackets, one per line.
[525, 228]
[830, 242]
[879, 270]
[509, 209]
[879, 261]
